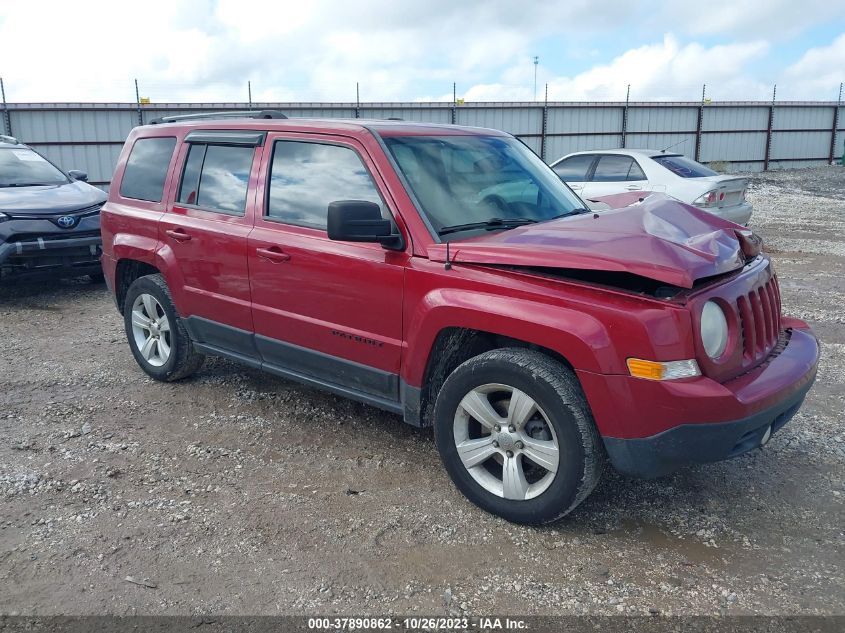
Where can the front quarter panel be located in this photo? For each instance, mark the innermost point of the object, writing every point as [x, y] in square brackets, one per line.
[594, 328]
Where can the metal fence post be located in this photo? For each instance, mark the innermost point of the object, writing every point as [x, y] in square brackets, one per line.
[545, 124]
[769, 129]
[138, 104]
[835, 127]
[249, 93]
[699, 125]
[357, 100]
[454, 103]
[7, 120]
[625, 116]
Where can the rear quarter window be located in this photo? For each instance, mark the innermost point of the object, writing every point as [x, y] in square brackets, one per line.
[146, 169]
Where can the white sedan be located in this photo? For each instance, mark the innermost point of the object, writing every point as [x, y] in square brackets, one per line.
[605, 172]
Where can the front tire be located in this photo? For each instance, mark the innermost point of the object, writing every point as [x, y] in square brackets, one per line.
[156, 333]
[516, 435]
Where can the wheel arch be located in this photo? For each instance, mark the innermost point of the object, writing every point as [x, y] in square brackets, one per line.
[126, 272]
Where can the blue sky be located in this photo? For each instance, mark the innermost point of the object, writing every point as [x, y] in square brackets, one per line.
[207, 50]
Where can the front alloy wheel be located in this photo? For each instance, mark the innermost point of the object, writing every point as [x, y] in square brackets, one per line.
[516, 435]
[505, 442]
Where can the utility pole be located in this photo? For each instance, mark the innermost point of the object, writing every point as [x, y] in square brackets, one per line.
[536, 62]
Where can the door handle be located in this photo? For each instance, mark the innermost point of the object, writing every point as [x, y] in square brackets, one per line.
[178, 234]
[633, 187]
[273, 254]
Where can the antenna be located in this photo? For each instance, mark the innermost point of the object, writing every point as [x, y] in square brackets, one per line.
[663, 151]
[448, 264]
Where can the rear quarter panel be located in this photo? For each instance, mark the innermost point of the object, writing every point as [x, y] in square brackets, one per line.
[130, 227]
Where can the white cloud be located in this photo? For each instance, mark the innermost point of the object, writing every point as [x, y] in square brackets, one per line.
[817, 74]
[772, 19]
[291, 50]
[666, 70]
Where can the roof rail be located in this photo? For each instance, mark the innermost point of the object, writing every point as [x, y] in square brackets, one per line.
[8, 139]
[229, 114]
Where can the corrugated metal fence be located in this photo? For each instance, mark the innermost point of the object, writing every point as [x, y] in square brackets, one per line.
[745, 135]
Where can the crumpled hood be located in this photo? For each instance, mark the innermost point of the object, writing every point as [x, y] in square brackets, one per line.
[659, 238]
[50, 198]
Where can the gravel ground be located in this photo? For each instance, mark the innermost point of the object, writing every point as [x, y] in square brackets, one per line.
[238, 493]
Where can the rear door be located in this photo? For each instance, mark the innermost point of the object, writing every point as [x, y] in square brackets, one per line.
[204, 233]
[326, 310]
[575, 171]
[615, 173]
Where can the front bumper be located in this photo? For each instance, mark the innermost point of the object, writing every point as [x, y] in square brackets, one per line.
[51, 256]
[651, 428]
[665, 452]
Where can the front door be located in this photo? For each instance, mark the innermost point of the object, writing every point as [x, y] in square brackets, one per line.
[326, 310]
[205, 232]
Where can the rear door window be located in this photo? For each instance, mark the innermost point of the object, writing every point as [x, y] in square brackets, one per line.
[146, 168]
[615, 168]
[574, 168]
[216, 177]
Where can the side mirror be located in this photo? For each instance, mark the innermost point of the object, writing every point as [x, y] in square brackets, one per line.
[361, 221]
[77, 174]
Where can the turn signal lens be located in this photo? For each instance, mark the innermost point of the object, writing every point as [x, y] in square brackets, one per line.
[672, 370]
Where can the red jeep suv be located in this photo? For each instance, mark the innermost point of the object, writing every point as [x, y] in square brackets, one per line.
[446, 274]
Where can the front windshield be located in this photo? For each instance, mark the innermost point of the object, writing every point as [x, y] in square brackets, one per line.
[492, 181]
[21, 167]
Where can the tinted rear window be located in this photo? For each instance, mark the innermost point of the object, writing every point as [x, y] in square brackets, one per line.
[574, 169]
[146, 169]
[683, 166]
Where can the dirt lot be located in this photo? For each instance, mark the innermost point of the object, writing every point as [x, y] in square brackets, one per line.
[236, 492]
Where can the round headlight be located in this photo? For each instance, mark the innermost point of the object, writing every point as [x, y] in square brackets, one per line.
[714, 329]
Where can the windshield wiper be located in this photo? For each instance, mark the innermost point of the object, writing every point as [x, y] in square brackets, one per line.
[492, 223]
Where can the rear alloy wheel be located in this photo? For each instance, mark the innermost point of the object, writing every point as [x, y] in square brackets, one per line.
[157, 337]
[151, 330]
[516, 435]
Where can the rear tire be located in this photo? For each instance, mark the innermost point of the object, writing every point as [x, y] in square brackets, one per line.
[516, 435]
[157, 336]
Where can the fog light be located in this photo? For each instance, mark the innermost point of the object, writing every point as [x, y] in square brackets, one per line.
[671, 370]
